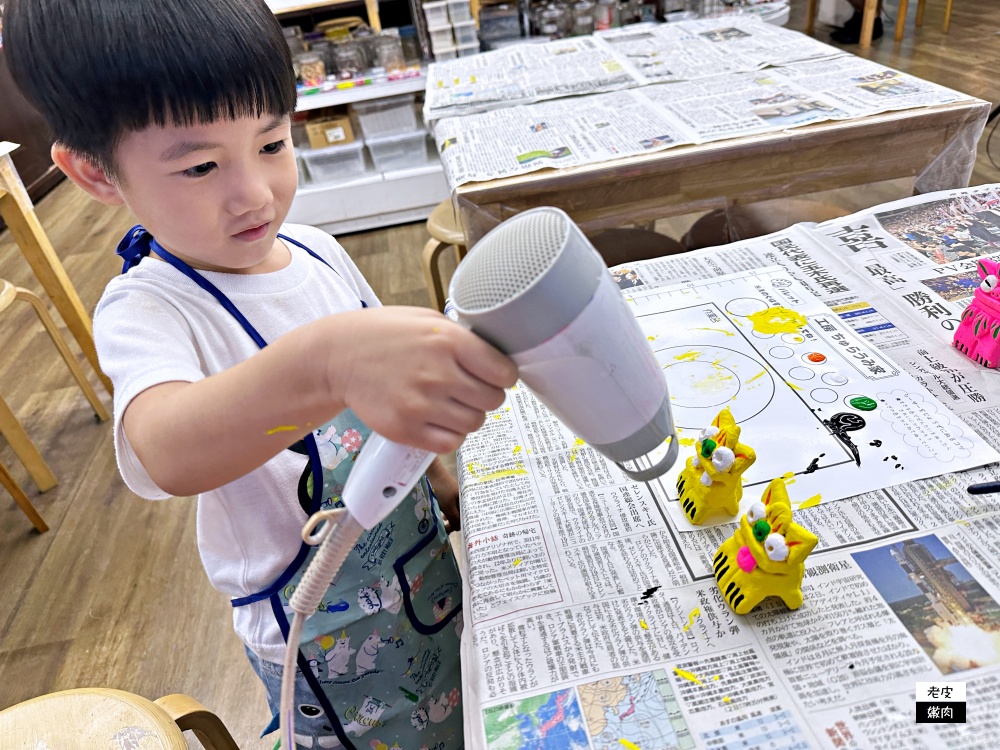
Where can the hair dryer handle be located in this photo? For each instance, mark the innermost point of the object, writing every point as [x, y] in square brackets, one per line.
[384, 474]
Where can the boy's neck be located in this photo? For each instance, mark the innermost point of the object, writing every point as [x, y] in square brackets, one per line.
[278, 258]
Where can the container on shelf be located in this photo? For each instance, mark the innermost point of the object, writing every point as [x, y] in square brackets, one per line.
[350, 59]
[436, 13]
[411, 44]
[467, 49]
[445, 53]
[441, 37]
[387, 116]
[312, 69]
[389, 48]
[334, 163]
[583, 18]
[499, 22]
[459, 11]
[402, 151]
[465, 33]
[607, 15]
[329, 131]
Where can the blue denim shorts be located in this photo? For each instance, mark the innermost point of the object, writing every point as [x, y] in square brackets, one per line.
[312, 729]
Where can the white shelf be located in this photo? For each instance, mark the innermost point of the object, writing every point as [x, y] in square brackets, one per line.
[362, 93]
[371, 201]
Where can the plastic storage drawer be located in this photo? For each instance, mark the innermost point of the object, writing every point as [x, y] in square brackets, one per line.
[334, 163]
[436, 13]
[391, 115]
[399, 151]
[465, 34]
[468, 49]
[441, 38]
[459, 11]
[444, 53]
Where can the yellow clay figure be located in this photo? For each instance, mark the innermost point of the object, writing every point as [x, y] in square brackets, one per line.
[766, 554]
[710, 482]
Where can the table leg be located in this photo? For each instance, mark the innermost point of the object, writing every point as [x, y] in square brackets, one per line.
[947, 17]
[24, 449]
[8, 483]
[37, 250]
[811, 16]
[868, 23]
[901, 17]
[920, 12]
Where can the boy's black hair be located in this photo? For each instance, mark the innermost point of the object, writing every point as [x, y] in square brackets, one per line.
[97, 69]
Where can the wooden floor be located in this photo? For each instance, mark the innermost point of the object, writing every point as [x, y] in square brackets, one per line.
[114, 594]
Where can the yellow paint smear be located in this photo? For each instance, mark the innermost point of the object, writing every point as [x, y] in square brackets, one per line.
[792, 386]
[517, 562]
[687, 675]
[651, 338]
[726, 698]
[717, 330]
[777, 320]
[811, 502]
[577, 444]
[760, 374]
[475, 469]
[644, 625]
[716, 677]
[689, 356]
[629, 745]
[789, 477]
[517, 449]
[282, 428]
[694, 613]
[686, 441]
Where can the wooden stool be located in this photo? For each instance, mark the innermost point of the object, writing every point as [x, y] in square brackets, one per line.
[867, 20]
[11, 428]
[19, 214]
[628, 245]
[722, 226]
[446, 231]
[919, 21]
[100, 718]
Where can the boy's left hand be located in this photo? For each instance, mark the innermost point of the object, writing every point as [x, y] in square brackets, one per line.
[446, 489]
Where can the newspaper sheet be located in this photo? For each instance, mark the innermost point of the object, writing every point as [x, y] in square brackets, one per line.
[592, 621]
[526, 73]
[558, 133]
[507, 142]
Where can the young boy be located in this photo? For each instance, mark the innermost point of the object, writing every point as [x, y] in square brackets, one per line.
[228, 342]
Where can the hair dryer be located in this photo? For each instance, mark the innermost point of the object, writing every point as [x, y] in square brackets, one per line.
[535, 288]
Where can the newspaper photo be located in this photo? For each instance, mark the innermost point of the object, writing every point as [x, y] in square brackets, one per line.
[593, 620]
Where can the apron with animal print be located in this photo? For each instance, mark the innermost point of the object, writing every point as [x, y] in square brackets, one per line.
[381, 654]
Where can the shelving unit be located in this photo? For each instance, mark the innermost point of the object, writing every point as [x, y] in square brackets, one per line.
[375, 199]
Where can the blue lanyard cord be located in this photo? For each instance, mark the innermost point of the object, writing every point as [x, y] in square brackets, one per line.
[138, 243]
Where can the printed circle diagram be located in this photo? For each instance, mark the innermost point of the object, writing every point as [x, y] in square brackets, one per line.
[704, 379]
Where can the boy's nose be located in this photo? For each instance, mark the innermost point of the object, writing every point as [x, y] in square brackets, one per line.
[249, 193]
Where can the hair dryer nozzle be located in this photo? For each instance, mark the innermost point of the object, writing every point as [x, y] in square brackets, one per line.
[538, 290]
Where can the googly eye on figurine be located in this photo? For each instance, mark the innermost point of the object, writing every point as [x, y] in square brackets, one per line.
[989, 283]
[776, 548]
[756, 512]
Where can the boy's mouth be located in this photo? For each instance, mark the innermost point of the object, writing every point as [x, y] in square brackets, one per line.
[253, 233]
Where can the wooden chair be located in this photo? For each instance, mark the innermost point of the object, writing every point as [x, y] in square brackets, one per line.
[446, 231]
[19, 215]
[11, 428]
[919, 21]
[101, 718]
[721, 226]
[867, 19]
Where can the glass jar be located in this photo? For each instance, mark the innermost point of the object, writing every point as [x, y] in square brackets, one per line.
[583, 18]
[607, 15]
[312, 69]
[389, 52]
[411, 45]
[552, 21]
[350, 59]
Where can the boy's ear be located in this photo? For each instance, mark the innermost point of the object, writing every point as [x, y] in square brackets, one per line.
[87, 175]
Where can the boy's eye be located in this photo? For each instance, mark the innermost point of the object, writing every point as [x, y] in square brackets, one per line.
[201, 170]
[273, 148]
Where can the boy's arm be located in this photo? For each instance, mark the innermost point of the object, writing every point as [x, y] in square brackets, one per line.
[409, 373]
[446, 489]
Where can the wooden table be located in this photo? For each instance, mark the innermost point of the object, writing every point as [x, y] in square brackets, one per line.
[19, 214]
[936, 145]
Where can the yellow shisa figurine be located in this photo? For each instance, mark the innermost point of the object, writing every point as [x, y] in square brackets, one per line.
[710, 482]
[766, 554]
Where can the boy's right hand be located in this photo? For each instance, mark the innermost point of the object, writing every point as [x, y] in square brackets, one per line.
[416, 377]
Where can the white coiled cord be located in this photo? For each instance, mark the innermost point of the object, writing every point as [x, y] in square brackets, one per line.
[336, 538]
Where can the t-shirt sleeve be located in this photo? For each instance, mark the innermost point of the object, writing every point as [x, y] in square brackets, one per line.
[142, 341]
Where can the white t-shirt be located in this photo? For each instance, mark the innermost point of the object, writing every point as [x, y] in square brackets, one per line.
[155, 325]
